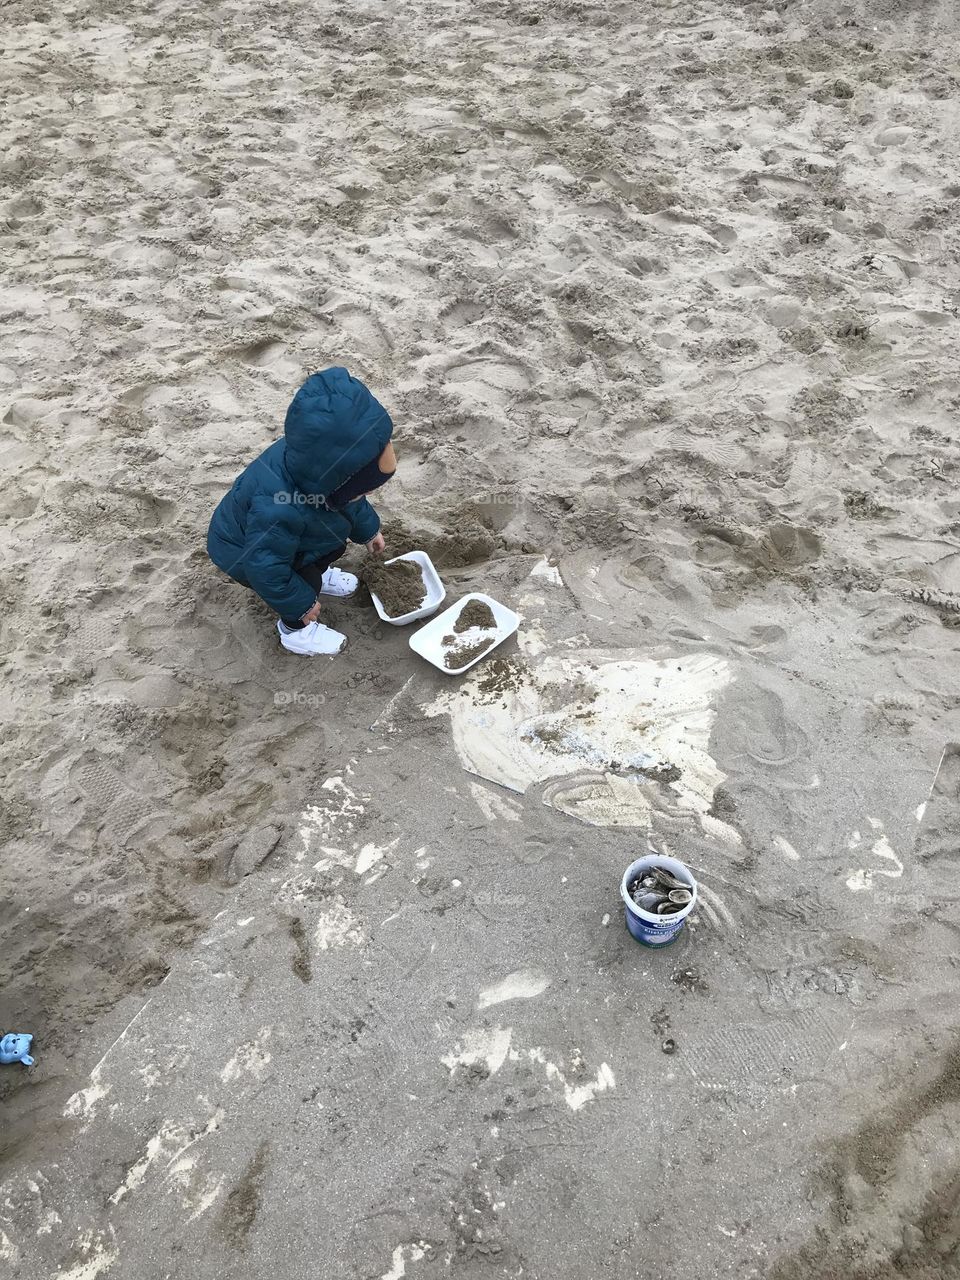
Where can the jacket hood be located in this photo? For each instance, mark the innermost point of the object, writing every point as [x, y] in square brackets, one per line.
[333, 427]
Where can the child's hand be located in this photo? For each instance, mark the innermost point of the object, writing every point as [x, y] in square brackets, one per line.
[312, 614]
[376, 545]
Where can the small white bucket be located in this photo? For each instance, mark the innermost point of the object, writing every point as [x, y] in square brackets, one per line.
[436, 592]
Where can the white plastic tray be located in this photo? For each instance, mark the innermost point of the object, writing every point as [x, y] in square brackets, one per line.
[428, 641]
[436, 592]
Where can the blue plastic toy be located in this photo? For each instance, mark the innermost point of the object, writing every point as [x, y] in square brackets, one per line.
[16, 1048]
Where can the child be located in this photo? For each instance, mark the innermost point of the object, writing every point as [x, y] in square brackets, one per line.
[290, 514]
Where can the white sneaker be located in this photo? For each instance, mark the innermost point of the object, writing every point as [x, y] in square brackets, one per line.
[337, 583]
[312, 639]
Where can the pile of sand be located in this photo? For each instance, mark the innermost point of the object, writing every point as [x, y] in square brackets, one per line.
[471, 636]
[399, 587]
[475, 613]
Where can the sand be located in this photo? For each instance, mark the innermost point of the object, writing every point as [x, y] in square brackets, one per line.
[471, 637]
[474, 614]
[399, 587]
[466, 651]
[663, 299]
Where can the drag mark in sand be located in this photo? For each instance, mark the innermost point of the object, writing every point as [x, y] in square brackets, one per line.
[523, 984]
[371, 854]
[938, 817]
[576, 1096]
[336, 926]
[786, 848]
[384, 717]
[403, 1254]
[83, 1103]
[332, 817]
[138, 1171]
[95, 1258]
[170, 1143]
[46, 1217]
[544, 569]
[489, 1047]
[327, 829]
[713, 907]
[881, 848]
[494, 806]
[208, 1196]
[250, 1059]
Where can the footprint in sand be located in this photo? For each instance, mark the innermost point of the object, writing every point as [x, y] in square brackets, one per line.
[115, 810]
[760, 638]
[895, 136]
[493, 380]
[261, 353]
[24, 207]
[801, 1044]
[141, 393]
[460, 315]
[368, 336]
[673, 222]
[651, 571]
[717, 452]
[789, 546]
[722, 234]
[97, 635]
[756, 731]
[782, 548]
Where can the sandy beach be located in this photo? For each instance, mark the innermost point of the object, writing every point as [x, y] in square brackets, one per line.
[325, 959]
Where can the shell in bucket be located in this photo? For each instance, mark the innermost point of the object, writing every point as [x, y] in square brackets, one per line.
[650, 929]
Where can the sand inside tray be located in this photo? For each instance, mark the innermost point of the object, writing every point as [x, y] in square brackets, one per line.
[474, 632]
[456, 658]
[475, 614]
[399, 586]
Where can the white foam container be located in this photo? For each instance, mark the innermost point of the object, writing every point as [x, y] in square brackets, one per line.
[436, 592]
[428, 641]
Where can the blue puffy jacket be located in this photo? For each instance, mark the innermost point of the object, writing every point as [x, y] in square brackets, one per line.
[274, 520]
